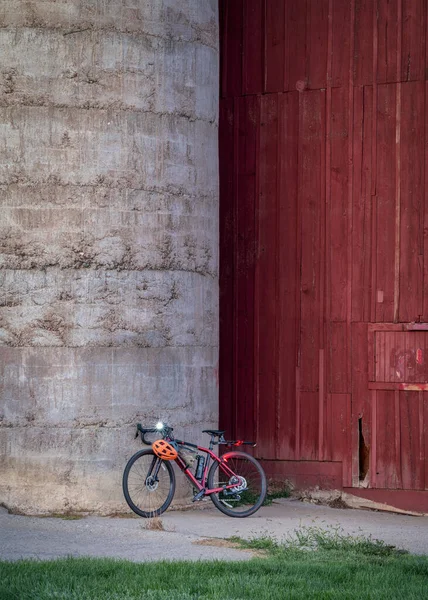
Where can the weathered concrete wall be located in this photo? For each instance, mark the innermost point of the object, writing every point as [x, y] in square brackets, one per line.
[108, 242]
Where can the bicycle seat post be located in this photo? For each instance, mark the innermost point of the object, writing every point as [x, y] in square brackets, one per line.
[211, 446]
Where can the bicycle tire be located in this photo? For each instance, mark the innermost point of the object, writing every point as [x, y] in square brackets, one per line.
[148, 498]
[242, 503]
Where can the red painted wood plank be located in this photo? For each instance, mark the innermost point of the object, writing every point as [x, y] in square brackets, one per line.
[341, 43]
[388, 32]
[341, 430]
[398, 438]
[244, 266]
[423, 456]
[339, 344]
[275, 45]
[295, 46]
[324, 416]
[362, 250]
[425, 434]
[361, 407]
[364, 42]
[412, 444]
[222, 12]
[288, 323]
[226, 366]
[253, 47]
[387, 469]
[267, 278]
[311, 197]
[339, 201]
[257, 292]
[413, 44]
[309, 426]
[425, 202]
[412, 201]
[234, 42]
[316, 43]
[373, 436]
[386, 193]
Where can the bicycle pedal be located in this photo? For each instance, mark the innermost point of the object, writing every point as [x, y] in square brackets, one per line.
[199, 496]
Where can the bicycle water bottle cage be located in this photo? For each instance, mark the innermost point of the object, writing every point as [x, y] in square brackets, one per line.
[164, 450]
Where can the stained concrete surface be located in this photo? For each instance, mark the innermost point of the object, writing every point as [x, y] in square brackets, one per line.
[128, 538]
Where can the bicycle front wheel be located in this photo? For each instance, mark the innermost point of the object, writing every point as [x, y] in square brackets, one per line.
[247, 496]
[148, 484]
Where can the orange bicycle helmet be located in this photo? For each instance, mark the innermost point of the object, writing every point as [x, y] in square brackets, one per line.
[164, 450]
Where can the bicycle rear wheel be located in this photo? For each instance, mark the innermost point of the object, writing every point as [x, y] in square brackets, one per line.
[148, 484]
[248, 495]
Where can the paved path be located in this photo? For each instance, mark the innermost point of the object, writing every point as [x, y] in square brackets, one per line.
[128, 538]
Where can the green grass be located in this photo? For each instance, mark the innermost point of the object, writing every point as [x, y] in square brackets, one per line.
[312, 564]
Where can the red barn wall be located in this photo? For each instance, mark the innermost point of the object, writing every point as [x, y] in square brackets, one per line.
[324, 250]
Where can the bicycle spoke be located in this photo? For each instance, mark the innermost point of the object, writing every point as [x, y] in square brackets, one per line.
[246, 484]
[147, 488]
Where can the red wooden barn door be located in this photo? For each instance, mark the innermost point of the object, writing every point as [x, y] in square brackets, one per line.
[323, 237]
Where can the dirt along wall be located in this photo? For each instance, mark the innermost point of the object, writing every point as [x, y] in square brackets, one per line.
[108, 241]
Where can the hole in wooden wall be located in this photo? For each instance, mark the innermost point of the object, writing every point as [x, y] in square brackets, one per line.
[364, 452]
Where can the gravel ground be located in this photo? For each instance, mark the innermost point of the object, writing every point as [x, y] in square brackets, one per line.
[194, 534]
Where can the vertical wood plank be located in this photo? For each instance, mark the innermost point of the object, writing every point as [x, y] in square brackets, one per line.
[309, 416]
[425, 202]
[311, 196]
[339, 204]
[339, 344]
[413, 48]
[340, 43]
[412, 450]
[244, 266]
[387, 27]
[412, 201]
[257, 292]
[361, 407]
[425, 434]
[386, 193]
[288, 273]
[364, 42]
[316, 43]
[253, 47]
[341, 425]
[227, 174]
[399, 483]
[387, 470]
[267, 249]
[362, 205]
[234, 42]
[295, 36]
[275, 45]
[222, 17]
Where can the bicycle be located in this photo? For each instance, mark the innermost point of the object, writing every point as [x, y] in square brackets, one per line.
[235, 481]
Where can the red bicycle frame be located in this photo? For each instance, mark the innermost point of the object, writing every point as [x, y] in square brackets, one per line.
[201, 485]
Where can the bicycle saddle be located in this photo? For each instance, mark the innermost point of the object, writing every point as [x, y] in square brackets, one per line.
[214, 431]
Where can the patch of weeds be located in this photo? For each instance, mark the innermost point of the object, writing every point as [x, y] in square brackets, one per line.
[332, 539]
[264, 542]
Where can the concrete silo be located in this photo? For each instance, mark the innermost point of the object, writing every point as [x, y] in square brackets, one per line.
[109, 241]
